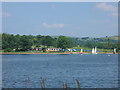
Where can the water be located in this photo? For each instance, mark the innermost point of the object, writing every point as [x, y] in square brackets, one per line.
[92, 71]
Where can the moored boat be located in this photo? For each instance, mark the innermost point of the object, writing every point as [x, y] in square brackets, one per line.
[94, 50]
[81, 52]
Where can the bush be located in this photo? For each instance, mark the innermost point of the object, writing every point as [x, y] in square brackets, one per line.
[8, 50]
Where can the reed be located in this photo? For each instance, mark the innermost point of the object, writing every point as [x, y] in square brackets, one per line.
[42, 83]
[78, 84]
[27, 82]
[65, 86]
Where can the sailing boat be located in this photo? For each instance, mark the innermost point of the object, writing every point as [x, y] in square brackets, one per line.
[81, 52]
[114, 51]
[94, 50]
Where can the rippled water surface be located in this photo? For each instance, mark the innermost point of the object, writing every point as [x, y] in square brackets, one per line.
[92, 71]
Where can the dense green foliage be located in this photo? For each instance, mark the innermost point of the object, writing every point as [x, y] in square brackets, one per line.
[48, 41]
[101, 43]
[26, 42]
[64, 42]
[18, 42]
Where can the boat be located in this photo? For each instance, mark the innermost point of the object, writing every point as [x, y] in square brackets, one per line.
[114, 51]
[94, 50]
[81, 52]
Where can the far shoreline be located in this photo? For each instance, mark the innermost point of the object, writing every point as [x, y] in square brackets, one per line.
[27, 53]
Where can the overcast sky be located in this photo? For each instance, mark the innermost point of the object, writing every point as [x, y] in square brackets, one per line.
[79, 19]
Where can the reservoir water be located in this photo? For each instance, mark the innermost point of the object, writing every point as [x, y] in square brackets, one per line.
[92, 71]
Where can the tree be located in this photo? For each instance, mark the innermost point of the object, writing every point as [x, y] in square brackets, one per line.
[47, 41]
[25, 43]
[8, 41]
[17, 41]
[64, 42]
[38, 41]
[89, 45]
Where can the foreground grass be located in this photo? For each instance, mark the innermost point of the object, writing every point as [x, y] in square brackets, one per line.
[42, 83]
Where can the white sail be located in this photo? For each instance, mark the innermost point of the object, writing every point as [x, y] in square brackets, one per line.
[93, 51]
[81, 50]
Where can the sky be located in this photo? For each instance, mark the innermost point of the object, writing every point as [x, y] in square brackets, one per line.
[75, 19]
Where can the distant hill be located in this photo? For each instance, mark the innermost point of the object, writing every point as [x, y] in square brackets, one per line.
[112, 38]
[92, 40]
[102, 42]
[103, 39]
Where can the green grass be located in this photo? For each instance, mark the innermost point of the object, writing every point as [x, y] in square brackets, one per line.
[33, 51]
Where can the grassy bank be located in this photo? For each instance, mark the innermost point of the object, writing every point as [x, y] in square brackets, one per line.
[35, 53]
[53, 52]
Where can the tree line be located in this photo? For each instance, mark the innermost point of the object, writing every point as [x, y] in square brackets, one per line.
[18, 42]
[25, 42]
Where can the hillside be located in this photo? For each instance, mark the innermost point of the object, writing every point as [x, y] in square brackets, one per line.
[100, 40]
[102, 43]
